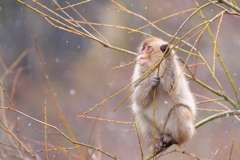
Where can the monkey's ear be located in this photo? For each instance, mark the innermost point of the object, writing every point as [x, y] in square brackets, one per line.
[164, 48]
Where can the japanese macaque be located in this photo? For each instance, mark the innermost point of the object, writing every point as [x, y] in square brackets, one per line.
[166, 89]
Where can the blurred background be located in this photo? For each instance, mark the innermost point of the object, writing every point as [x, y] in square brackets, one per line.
[80, 72]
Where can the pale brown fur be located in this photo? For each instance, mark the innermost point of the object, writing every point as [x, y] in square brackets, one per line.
[175, 106]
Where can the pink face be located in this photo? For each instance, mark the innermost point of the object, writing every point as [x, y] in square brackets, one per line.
[144, 54]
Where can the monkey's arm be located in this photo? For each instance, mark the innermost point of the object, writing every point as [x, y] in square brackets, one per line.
[170, 67]
[143, 92]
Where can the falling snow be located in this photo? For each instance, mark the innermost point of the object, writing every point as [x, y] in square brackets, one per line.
[18, 23]
[72, 92]
[122, 63]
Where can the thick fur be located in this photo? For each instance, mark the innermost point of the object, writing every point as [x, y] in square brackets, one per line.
[175, 106]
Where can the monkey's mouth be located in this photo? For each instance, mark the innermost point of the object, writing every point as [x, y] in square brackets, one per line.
[143, 60]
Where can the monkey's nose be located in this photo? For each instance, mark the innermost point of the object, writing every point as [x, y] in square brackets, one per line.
[142, 56]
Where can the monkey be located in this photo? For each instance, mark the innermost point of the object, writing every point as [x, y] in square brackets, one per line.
[167, 86]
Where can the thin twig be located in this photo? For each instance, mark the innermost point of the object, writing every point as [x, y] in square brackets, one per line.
[89, 25]
[79, 3]
[15, 83]
[228, 99]
[186, 153]
[230, 126]
[45, 128]
[71, 28]
[138, 135]
[230, 156]
[210, 110]
[55, 105]
[62, 133]
[9, 100]
[13, 147]
[122, 101]
[129, 85]
[94, 126]
[106, 120]
[211, 100]
[195, 12]
[15, 137]
[15, 63]
[230, 5]
[163, 19]
[215, 116]
[216, 50]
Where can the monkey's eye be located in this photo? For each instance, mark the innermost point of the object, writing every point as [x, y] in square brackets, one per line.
[147, 48]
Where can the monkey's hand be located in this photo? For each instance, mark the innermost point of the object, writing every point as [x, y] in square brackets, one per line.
[164, 48]
[155, 81]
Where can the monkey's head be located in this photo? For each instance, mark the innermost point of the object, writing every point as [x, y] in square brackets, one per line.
[150, 53]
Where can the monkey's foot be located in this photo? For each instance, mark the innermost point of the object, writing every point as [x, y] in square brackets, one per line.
[165, 141]
[155, 81]
[168, 140]
[159, 147]
[164, 47]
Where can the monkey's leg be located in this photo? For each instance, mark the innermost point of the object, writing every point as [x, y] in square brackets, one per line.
[179, 126]
[145, 129]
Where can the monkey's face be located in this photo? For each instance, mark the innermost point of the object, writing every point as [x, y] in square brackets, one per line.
[144, 56]
[150, 53]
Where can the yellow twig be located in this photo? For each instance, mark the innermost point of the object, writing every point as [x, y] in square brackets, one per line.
[62, 133]
[79, 3]
[45, 128]
[106, 120]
